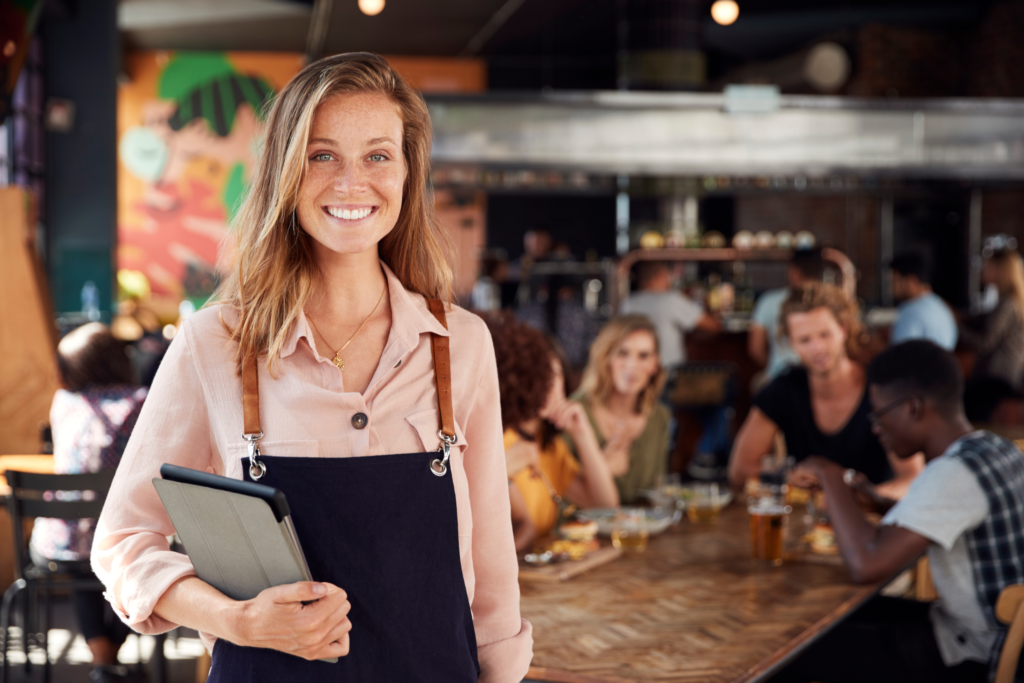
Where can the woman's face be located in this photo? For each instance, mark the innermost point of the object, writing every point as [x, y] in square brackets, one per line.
[634, 363]
[351, 195]
[818, 338]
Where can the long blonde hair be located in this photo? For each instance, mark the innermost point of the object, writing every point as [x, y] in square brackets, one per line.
[275, 273]
[597, 382]
[1010, 276]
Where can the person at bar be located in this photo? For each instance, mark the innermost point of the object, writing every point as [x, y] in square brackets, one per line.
[966, 510]
[619, 394]
[922, 314]
[91, 418]
[998, 370]
[673, 313]
[333, 347]
[821, 406]
[765, 345]
[543, 475]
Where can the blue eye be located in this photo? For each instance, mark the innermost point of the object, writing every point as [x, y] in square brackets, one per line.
[378, 157]
[323, 156]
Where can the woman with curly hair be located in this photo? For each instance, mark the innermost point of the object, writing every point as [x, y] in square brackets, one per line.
[820, 406]
[541, 469]
[619, 395]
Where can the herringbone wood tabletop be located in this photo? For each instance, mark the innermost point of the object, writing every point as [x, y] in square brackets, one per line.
[692, 607]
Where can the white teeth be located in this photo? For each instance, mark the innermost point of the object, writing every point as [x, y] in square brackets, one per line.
[349, 214]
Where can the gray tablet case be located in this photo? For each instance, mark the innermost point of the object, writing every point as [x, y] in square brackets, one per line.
[236, 541]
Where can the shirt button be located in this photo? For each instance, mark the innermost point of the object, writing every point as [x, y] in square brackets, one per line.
[359, 420]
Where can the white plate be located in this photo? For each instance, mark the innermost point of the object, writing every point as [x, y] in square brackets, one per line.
[684, 495]
[656, 520]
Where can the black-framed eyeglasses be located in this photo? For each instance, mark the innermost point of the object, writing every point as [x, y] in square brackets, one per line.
[875, 415]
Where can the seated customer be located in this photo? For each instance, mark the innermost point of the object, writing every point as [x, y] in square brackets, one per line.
[821, 406]
[620, 389]
[541, 470]
[966, 509]
[922, 314]
[91, 419]
[765, 345]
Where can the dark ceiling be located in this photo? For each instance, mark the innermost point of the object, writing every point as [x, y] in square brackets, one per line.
[556, 43]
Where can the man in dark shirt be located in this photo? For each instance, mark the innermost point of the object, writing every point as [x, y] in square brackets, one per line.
[821, 407]
[966, 510]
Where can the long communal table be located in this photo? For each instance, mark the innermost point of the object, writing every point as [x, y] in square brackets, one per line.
[692, 607]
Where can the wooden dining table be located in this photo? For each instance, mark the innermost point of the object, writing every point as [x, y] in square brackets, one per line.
[694, 606]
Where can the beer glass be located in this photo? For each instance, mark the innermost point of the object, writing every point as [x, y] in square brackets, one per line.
[630, 531]
[767, 528]
[705, 504]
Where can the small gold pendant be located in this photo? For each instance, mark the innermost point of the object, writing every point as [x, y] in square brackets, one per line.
[339, 362]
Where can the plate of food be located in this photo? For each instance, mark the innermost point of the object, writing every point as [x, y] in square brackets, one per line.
[684, 494]
[655, 521]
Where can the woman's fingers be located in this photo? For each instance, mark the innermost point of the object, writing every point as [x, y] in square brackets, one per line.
[302, 591]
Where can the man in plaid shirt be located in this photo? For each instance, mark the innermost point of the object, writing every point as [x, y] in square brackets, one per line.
[966, 509]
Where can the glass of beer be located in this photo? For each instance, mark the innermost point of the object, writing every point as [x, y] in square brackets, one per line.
[630, 531]
[767, 529]
[705, 504]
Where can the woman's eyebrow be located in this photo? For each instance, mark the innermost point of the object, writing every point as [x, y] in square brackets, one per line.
[329, 141]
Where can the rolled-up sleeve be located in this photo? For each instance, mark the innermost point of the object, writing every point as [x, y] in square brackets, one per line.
[130, 552]
[504, 639]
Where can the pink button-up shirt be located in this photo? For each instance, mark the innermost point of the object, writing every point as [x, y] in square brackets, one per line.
[193, 418]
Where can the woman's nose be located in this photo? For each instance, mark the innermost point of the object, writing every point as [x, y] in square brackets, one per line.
[351, 176]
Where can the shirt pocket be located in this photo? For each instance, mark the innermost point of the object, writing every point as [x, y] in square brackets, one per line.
[426, 424]
[308, 448]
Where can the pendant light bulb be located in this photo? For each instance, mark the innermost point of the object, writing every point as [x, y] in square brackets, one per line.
[371, 8]
[724, 12]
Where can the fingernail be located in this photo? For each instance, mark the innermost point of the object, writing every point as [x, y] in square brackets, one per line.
[319, 588]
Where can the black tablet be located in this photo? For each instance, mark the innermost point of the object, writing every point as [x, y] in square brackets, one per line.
[275, 498]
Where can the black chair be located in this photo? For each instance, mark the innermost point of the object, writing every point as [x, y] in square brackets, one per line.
[61, 496]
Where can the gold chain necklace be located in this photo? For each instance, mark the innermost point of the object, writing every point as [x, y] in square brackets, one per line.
[337, 360]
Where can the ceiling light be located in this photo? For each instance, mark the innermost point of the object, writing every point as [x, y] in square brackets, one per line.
[724, 12]
[372, 8]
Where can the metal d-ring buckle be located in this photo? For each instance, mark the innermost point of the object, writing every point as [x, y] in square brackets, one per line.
[439, 466]
[256, 468]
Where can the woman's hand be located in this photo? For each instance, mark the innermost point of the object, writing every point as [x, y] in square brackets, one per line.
[520, 455]
[305, 619]
[568, 416]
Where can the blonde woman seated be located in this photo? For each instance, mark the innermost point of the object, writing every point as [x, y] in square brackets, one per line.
[542, 472]
[619, 395]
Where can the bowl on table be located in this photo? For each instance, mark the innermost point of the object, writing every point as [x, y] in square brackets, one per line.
[655, 520]
[682, 494]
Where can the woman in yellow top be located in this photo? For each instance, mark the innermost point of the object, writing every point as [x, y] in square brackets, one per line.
[541, 468]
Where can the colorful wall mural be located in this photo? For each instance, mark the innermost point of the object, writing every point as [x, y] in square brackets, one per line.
[188, 124]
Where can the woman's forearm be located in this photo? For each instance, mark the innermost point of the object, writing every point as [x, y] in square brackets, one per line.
[596, 477]
[196, 604]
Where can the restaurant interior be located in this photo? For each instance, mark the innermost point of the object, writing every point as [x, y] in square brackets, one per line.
[705, 175]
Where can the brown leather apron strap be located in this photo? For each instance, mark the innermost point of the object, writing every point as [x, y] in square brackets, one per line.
[442, 370]
[251, 398]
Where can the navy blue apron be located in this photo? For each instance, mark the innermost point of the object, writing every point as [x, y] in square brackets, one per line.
[384, 529]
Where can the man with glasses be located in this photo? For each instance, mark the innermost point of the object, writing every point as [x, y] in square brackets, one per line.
[966, 510]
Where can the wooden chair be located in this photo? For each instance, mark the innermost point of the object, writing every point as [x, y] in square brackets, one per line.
[1010, 610]
[924, 586]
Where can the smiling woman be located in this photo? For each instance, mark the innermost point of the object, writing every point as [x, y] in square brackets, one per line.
[385, 452]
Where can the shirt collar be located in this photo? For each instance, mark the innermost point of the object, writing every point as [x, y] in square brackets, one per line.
[409, 319]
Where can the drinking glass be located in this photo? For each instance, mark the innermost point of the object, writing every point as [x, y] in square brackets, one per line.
[767, 529]
[630, 531]
[705, 504]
